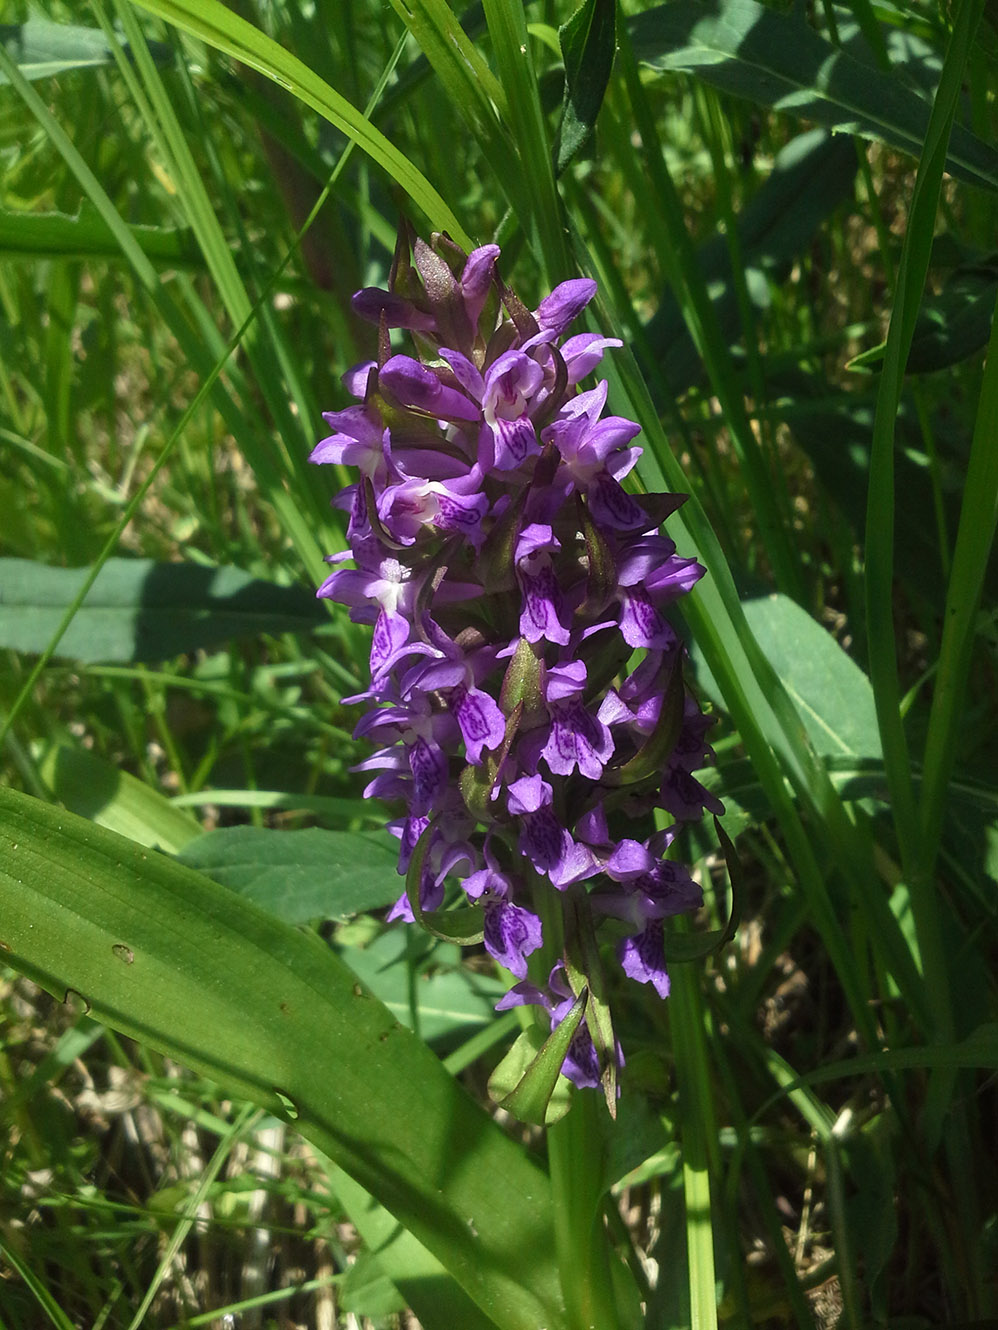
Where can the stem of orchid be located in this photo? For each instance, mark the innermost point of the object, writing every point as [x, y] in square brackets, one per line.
[576, 1149]
[576, 1155]
[698, 1130]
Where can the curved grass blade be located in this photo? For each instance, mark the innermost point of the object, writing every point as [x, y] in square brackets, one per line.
[219, 27]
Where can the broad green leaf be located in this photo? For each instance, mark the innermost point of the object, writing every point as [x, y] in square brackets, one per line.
[41, 48]
[166, 956]
[140, 610]
[418, 1276]
[588, 42]
[951, 327]
[450, 997]
[57, 235]
[112, 798]
[330, 806]
[367, 1292]
[832, 695]
[299, 876]
[779, 60]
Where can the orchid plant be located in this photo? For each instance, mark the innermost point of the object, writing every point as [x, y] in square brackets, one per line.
[466, 1047]
[527, 691]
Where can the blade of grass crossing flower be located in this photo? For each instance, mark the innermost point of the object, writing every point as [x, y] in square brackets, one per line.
[768, 721]
[511, 45]
[775, 740]
[219, 27]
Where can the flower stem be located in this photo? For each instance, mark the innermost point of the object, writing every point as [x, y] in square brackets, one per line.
[576, 1147]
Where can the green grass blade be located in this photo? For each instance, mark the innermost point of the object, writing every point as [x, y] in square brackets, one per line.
[678, 257]
[511, 44]
[974, 540]
[698, 1134]
[220, 28]
[912, 270]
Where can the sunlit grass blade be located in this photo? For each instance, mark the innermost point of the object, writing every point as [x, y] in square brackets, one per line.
[698, 1135]
[226, 31]
[511, 44]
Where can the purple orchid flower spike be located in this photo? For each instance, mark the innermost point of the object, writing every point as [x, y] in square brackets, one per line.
[526, 690]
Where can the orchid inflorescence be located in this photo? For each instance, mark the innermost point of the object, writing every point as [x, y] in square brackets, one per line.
[527, 693]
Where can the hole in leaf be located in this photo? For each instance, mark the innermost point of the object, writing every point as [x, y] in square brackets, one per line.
[77, 1002]
[288, 1104]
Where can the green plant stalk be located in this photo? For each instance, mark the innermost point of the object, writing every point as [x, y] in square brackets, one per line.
[698, 1135]
[914, 840]
[575, 1162]
[974, 539]
[576, 1147]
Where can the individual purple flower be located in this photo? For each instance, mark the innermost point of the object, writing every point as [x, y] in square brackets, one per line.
[577, 737]
[543, 840]
[543, 606]
[509, 578]
[511, 933]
